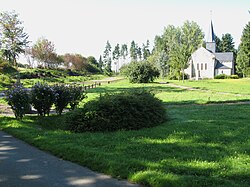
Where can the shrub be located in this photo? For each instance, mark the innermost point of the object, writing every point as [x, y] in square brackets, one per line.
[221, 76]
[120, 111]
[18, 98]
[76, 95]
[62, 97]
[42, 98]
[142, 72]
[234, 77]
[5, 80]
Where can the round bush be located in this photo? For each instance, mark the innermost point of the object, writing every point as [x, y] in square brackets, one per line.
[141, 72]
[18, 99]
[120, 111]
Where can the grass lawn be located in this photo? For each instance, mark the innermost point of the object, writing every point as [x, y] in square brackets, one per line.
[238, 86]
[207, 145]
[200, 145]
[171, 95]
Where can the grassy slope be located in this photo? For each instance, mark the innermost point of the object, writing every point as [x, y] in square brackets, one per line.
[198, 146]
[238, 86]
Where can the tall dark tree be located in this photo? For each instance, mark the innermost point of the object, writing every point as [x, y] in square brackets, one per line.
[145, 50]
[139, 52]
[243, 58]
[133, 51]
[13, 38]
[124, 51]
[116, 57]
[218, 44]
[107, 58]
[100, 63]
[227, 44]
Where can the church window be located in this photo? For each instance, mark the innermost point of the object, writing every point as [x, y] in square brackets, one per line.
[197, 66]
[201, 66]
[205, 66]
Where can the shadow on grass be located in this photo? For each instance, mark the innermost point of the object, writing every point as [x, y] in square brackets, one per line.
[197, 146]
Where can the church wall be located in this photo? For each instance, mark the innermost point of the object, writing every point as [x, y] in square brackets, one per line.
[223, 71]
[203, 64]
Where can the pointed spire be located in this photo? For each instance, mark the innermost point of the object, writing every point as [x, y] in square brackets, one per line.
[211, 35]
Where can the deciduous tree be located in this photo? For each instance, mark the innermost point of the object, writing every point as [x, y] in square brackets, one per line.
[13, 38]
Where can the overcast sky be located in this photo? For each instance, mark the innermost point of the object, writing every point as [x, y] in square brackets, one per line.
[84, 26]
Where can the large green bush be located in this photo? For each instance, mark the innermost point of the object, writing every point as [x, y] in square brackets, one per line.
[18, 99]
[42, 98]
[120, 111]
[141, 72]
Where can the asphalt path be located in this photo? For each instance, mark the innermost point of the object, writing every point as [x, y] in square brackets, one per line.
[22, 165]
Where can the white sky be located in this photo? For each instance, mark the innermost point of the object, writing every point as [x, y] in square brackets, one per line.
[84, 26]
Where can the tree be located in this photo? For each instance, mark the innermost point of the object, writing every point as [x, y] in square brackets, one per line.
[162, 63]
[142, 72]
[139, 52]
[124, 52]
[145, 50]
[243, 58]
[76, 62]
[13, 38]
[179, 43]
[100, 63]
[107, 58]
[133, 51]
[45, 53]
[92, 60]
[116, 57]
[227, 44]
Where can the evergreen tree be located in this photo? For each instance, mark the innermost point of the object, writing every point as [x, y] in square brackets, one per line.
[227, 44]
[162, 63]
[133, 51]
[107, 58]
[13, 38]
[116, 56]
[243, 58]
[124, 51]
[100, 63]
[145, 50]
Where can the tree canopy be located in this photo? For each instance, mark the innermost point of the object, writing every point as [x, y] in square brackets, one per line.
[243, 58]
[13, 38]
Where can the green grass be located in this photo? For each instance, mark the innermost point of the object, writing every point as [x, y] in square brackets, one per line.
[170, 95]
[238, 86]
[198, 146]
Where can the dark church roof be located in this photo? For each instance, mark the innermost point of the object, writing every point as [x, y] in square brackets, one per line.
[224, 57]
[221, 66]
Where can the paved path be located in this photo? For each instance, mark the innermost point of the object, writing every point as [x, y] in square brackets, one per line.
[22, 165]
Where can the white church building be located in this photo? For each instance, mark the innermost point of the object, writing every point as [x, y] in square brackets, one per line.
[207, 63]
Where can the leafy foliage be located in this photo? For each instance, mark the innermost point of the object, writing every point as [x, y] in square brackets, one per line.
[42, 98]
[120, 111]
[141, 72]
[13, 39]
[62, 97]
[18, 99]
[76, 95]
[243, 58]
[45, 53]
[178, 44]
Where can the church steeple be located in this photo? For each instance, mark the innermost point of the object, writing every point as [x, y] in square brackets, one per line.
[211, 35]
[210, 44]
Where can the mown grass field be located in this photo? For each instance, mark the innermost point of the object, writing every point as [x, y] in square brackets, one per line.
[238, 86]
[199, 145]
